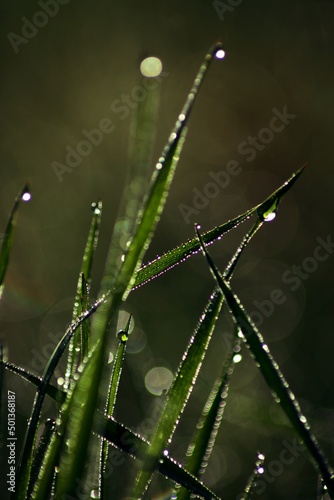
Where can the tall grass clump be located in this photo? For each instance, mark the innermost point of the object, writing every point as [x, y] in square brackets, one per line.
[75, 444]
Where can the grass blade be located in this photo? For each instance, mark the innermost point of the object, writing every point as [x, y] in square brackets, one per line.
[7, 242]
[112, 393]
[25, 463]
[201, 447]
[179, 254]
[39, 457]
[178, 393]
[251, 483]
[119, 436]
[273, 376]
[78, 347]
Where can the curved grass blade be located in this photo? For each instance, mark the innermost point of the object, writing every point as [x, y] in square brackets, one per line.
[179, 254]
[123, 336]
[122, 284]
[79, 344]
[7, 237]
[201, 447]
[121, 437]
[273, 376]
[251, 483]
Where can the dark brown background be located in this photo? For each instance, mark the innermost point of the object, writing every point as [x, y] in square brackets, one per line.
[279, 53]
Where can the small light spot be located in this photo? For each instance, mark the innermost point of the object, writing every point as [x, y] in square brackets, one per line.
[182, 117]
[158, 166]
[26, 196]
[110, 358]
[151, 67]
[270, 217]
[220, 54]
[260, 470]
[60, 381]
[237, 358]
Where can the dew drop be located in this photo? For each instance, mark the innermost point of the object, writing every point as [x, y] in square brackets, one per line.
[269, 217]
[26, 195]
[182, 117]
[237, 358]
[220, 54]
[260, 470]
[95, 208]
[122, 336]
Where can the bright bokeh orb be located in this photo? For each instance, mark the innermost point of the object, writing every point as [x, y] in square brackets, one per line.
[151, 67]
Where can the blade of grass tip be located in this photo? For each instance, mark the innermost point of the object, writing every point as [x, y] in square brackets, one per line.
[251, 483]
[160, 183]
[179, 254]
[273, 376]
[202, 444]
[7, 241]
[185, 378]
[121, 285]
[123, 336]
[76, 354]
[119, 436]
[25, 462]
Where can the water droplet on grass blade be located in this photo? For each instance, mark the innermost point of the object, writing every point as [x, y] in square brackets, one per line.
[270, 217]
[122, 336]
[26, 195]
[220, 54]
[96, 208]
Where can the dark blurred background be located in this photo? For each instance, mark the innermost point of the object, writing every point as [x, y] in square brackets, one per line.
[63, 79]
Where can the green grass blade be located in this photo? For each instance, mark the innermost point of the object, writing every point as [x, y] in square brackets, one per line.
[123, 336]
[24, 466]
[7, 242]
[117, 435]
[49, 430]
[201, 447]
[179, 393]
[179, 254]
[251, 483]
[53, 392]
[78, 347]
[273, 376]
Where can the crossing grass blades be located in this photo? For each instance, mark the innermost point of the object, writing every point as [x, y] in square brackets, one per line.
[53, 465]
